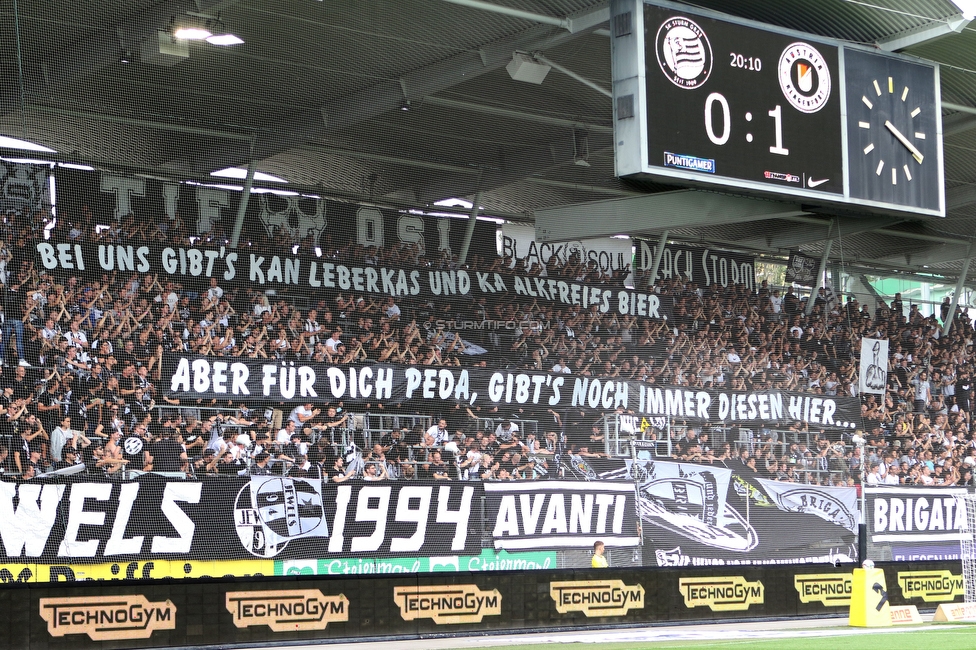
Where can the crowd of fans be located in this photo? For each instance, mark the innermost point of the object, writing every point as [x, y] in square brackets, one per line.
[83, 354]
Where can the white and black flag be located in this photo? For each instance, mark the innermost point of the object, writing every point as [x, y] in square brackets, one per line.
[692, 501]
[24, 186]
[874, 366]
[802, 269]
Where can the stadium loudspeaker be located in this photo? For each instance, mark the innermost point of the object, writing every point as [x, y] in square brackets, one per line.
[524, 67]
[869, 599]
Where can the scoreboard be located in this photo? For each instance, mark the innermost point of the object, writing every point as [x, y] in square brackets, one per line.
[706, 100]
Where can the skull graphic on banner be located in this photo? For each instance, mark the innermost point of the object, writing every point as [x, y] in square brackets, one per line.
[298, 216]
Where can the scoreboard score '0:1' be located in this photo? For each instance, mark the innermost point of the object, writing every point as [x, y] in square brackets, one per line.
[741, 103]
[762, 110]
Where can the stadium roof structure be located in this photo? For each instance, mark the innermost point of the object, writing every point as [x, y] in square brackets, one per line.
[408, 102]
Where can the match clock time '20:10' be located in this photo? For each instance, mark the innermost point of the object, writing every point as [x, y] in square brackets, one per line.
[759, 110]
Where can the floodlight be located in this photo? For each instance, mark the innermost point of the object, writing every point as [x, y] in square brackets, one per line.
[221, 35]
[225, 39]
[190, 28]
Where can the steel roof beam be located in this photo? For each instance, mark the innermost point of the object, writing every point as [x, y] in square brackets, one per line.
[571, 25]
[804, 234]
[580, 187]
[393, 160]
[512, 166]
[938, 254]
[496, 111]
[923, 34]
[960, 196]
[962, 108]
[917, 236]
[654, 213]
[513, 12]
[572, 75]
[818, 282]
[390, 95]
[958, 123]
[149, 124]
[955, 294]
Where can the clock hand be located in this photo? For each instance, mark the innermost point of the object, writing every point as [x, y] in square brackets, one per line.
[916, 154]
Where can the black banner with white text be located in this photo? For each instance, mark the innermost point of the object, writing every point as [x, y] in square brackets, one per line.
[556, 514]
[225, 518]
[703, 266]
[193, 378]
[210, 211]
[679, 513]
[911, 524]
[194, 267]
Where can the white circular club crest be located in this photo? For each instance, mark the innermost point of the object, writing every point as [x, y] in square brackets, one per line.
[683, 52]
[132, 445]
[271, 511]
[804, 77]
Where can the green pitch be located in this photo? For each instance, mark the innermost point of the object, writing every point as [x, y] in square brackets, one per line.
[954, 637]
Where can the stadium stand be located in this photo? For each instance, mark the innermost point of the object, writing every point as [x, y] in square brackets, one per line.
[83, 355]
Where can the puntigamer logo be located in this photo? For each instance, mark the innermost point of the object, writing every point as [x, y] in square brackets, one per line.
[447, 604]
[287, 611]
[721, 594]
[831, 589]
[597, 597]
[931, 586]
[107, 618]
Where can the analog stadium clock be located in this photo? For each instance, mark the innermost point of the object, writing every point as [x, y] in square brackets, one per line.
[893, 131]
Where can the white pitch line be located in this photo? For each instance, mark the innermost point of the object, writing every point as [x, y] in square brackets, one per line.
[649, 636]
[724, 634]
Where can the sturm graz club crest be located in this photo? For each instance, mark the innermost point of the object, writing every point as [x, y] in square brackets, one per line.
[581, 468]
[684, 52]
[691, 502]
[820, 502]
[272, 511]
[672, 557]
[804, 77]
[133, 445]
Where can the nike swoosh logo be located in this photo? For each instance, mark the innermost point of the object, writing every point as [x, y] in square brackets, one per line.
[813, 183]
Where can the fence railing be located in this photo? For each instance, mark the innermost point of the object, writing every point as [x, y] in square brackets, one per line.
[624, 436]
